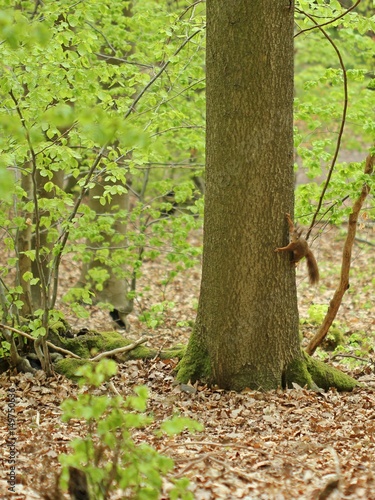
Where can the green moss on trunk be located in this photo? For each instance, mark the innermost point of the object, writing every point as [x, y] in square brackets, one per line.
[310, 372]
[304, 371]
[195, 364]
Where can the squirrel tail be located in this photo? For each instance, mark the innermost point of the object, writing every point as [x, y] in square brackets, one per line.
[312, 268]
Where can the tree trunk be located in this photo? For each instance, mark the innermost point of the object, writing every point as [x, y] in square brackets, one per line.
[115, 288]
[246, 332]
[247, 319]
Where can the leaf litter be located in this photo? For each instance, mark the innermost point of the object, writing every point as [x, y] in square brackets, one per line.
[292, 444]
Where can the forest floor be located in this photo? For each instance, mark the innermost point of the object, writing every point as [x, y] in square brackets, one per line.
[292, 444]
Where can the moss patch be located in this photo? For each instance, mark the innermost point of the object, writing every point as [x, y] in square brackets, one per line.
[195, 364]
[326, 376]
[90, 344]
[69, 366]
[310, 372]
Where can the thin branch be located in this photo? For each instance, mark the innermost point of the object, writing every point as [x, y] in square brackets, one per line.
[353, 357]
[326, 23]
[234, 470]
[103, 35]
[42, 352]
[360, 240]
[65, 234]
[331, 207]
[122, 60]
[30, 337]
[56, 140]
[159, 73]
[156, 106]
[341, 130]
[120, 350]
[345, 265]
[177, 128]
[191, 6]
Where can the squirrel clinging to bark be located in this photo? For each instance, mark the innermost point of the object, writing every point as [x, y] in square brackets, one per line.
[300, 249]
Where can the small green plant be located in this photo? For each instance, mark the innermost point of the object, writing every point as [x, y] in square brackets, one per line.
[108, 455]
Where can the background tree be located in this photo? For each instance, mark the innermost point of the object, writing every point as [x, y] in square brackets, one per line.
[75, 135]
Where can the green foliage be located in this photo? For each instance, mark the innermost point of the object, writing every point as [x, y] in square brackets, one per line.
[109, 455]
[110, 94]
[90, 96]
[358, 348]
[319, 102]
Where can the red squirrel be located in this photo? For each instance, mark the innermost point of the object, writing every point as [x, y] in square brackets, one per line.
[300, 249]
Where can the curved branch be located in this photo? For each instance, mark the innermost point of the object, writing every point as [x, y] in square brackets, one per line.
[120, 350]
[341, 130]
[326, 23]
[30, 337]
[159, 73]
[63, 238]
[345, 265]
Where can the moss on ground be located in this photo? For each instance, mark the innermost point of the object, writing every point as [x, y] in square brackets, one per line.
[92, 343]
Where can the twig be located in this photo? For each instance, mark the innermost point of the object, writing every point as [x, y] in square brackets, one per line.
[120, 350]
[238, 472]
[122, 60]
[159, 73]
[342, 125]
[328, 22]
[111, 385]
[360, 240]
[354, 357]
[193, 462]
[30, 337]
[210, 443]
[345, 265]
[63, 238]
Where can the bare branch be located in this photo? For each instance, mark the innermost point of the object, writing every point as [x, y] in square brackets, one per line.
[159, 73]
[345, 265]
[30, 337]
[341, 130]
[120, 350]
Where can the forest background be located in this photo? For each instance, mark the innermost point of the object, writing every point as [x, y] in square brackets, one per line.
[102, 164]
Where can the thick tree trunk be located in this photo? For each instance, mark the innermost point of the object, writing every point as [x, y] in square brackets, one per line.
[247, 326]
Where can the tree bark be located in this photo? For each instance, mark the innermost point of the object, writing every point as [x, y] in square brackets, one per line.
[246, 331]
[115, 288]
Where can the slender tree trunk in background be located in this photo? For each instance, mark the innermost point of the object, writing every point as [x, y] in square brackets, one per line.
[115, 288]
[23, 244]
[45, 243]
[26, 240]
[246, 331]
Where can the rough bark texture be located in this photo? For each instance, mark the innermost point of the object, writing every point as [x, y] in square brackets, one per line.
[247, 326]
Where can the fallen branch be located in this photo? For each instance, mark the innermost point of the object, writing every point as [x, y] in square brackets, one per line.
[238, 472]
[192, 462]
[360, 240]
[358, 358]
[120, 350]
[30, 337]
[345, 265]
